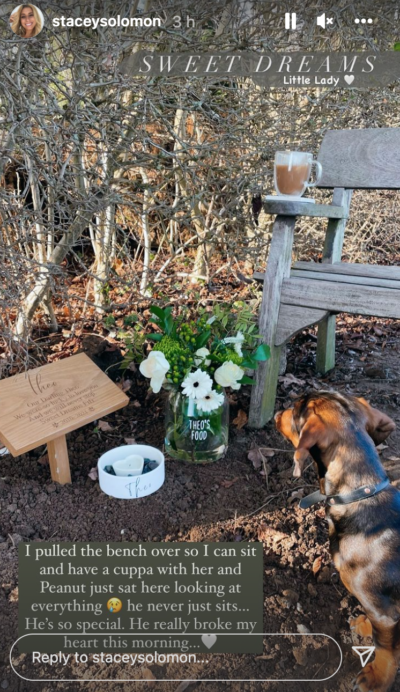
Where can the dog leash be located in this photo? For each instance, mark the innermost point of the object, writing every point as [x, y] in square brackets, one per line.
[363, 493]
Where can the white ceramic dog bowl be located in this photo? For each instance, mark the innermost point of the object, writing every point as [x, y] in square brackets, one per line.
[129, 487]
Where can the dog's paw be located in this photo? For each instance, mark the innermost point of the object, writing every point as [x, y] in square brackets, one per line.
[371, 679]
[361, 626]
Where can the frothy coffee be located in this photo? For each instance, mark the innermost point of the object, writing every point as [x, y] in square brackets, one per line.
[293, 180]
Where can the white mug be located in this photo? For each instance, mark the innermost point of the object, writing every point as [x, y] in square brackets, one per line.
[292, 170]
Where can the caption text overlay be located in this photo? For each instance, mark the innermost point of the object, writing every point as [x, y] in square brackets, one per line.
[170, 597]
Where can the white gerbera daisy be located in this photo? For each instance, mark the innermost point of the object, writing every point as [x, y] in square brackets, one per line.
[210, 402]
[197, 384]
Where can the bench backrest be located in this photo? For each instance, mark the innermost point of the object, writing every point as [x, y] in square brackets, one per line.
[361, 159]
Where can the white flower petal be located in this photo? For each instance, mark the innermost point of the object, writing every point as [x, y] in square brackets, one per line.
[201, 354]
[210, 402]
[155, 366]
[238, 339]
[197, 384]
[228, 375]
[238, 349]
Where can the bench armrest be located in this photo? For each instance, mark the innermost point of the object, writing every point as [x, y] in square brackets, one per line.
[327, 211]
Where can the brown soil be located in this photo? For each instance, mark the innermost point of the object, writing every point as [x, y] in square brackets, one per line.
[199, 504]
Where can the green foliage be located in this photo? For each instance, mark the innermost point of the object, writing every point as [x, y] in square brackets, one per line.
[229, 333]
[247, 380]
[179, 357]
[134, 345]
[109, 321]
[130, 320]
[263, 352]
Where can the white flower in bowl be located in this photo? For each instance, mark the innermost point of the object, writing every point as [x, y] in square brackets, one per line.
[229, 375]
[155, 366]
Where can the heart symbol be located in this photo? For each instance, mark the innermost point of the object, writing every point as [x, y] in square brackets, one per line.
[349, 78]
[209, 640]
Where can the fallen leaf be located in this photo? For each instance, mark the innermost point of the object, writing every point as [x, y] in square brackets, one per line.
[93, 474]
[267, 452]
[125, 385]
[255, 457]
[290, 379]
[296, 495]
[137, 404]
[381, 447]
[228, 484]
[317, 564]
[14, 595]
[240, 420]
[104, 426]
[393, 458]
[266, 469]
[43, 460]
[130, 440]
[148, 675]
[184, 685]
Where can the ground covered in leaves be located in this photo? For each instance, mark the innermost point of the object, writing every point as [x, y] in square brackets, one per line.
[250, 495]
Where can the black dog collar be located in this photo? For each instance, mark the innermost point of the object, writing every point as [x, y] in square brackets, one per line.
[362, 493]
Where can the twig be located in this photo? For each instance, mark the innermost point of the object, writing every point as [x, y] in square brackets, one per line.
[271, 497]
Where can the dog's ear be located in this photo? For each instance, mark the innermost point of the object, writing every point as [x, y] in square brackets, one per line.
[378, 424]
[314, 432]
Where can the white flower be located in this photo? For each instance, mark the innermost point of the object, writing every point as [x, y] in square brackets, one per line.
[237, 341]
[228, 375]
[210, 401]
[201, 354]
[197, 384]
[155, 366]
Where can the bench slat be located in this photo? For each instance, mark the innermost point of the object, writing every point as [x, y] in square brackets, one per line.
[345, 278]
[340, 297]
[326, 211]
[375, 271]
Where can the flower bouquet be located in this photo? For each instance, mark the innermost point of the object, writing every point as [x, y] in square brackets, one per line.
[196, 360]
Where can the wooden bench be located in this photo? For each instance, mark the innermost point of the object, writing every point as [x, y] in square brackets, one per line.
[310, 293]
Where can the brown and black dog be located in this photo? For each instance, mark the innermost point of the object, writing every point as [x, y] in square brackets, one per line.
[339, 433]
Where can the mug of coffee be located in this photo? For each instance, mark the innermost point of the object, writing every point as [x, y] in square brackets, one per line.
[292, 172]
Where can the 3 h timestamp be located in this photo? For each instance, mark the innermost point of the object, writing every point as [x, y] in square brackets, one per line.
[183, 22]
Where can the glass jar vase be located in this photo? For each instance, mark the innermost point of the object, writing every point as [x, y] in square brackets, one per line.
[194, 435]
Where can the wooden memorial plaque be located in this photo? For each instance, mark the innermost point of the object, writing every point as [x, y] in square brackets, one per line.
[42, 405]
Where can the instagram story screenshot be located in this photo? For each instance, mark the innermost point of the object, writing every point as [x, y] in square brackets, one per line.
[199, 346]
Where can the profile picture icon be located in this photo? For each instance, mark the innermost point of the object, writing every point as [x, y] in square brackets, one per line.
[26, 20]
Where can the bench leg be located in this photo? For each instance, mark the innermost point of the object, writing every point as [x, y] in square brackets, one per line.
[278, 269]
[332, 253]
[325, 360]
